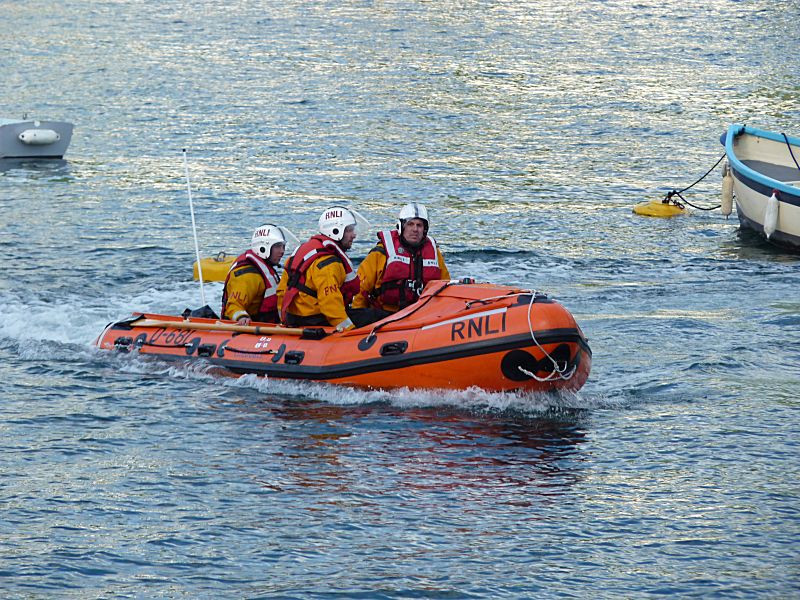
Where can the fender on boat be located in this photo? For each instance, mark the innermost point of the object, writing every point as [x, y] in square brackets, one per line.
[39, 137]
[771, 214]
[456, 336]
[726, 205]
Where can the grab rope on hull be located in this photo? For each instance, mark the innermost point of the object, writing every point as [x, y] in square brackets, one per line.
[557, 372]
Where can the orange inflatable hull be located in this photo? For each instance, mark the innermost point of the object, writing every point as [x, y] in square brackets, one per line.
[498, 338]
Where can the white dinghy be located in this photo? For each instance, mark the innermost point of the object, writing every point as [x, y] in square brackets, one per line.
[21, 138]
[765, 176]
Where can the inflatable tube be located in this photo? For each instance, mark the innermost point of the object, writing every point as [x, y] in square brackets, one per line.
[458, 335]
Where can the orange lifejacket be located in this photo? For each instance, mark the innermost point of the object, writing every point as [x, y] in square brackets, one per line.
[407, 270]
[270, 301]
[301, 259]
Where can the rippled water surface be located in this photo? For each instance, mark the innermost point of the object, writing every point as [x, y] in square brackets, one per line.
[529, 129]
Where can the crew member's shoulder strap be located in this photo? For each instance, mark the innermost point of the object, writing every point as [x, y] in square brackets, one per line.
[245, 270]
[328, 261]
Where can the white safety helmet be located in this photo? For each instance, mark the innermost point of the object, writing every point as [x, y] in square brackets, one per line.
[412, 211]
[334, 220]
[264, 238]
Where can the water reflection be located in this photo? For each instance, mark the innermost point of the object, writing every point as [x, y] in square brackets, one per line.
[342, 447]
[750, 245]
[35, 168]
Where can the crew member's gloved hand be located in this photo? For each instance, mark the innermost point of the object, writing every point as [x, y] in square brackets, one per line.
[345, 325]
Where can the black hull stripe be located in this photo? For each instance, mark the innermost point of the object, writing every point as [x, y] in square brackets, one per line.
[388, 363]
[766, 190]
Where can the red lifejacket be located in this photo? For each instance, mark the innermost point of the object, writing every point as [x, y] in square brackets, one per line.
[407, 270]
[299, 262]
[270, 301]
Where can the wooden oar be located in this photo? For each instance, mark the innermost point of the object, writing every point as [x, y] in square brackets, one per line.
[308, 332]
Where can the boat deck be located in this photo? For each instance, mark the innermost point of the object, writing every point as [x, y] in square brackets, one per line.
[782, 173]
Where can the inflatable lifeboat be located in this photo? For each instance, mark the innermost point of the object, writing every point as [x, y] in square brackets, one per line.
[457, 335]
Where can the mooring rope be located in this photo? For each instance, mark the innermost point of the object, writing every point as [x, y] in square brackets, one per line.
[788, 145]
[669, 197]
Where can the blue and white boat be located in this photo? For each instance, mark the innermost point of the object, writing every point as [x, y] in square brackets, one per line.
[23, 138]
[765, 182]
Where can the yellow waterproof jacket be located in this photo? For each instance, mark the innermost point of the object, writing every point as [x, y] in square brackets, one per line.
[370, 272]
[245, 292]
[325, 276]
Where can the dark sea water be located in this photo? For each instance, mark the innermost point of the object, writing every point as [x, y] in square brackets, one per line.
[529, 129]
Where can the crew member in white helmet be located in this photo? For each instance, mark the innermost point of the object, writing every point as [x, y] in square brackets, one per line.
[250, 292]
[401, 263]
[319, 280]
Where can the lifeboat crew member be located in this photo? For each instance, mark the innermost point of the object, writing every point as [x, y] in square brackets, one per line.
[250, 292]
[401, 263]
[319, 280]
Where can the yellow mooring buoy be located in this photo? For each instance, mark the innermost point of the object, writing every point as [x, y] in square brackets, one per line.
[215, 268]
[659, 208]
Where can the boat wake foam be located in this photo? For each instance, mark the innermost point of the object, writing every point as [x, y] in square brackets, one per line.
[78, 320]
[474, 400]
